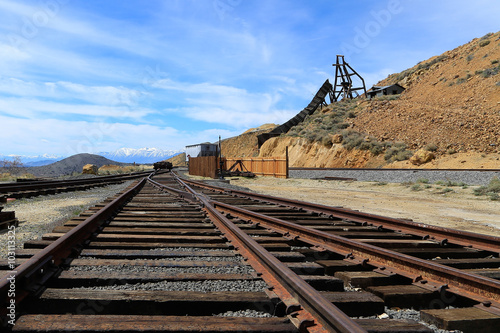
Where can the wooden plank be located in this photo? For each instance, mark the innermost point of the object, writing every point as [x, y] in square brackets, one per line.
[69, 279]
[37, 244]
[365, 279]
[462, 319]
[116, 323]
[145, 224]
[464, 263]
[398, 243]
[405, 296]
[492, 273]
[152, 263]
[369, 234]
[356, 304]
[306, 268]
[332, 266]
[148, 230]
[144, 238]
[441, 252]
[324, 282]
[151, 254]
[147, 302]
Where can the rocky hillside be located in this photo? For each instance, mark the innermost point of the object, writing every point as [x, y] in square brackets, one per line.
[178, 160]
[451, 101]
[450, 110]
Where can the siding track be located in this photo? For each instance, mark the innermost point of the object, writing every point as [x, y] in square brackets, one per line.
[175, 255]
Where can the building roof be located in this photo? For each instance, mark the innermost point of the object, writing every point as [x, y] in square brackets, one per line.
[377, 88]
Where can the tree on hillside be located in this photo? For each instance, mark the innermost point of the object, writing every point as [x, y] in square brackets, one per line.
[11, 166]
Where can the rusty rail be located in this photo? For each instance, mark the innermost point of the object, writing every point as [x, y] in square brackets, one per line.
[30, 275]
[9, 187]
[291, 288]
[423, 272]
[439, 234]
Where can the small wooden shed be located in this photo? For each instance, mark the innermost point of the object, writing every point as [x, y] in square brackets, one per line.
[376, 91]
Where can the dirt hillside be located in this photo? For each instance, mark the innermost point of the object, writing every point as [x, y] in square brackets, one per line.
[451, 100]
[245, 145]
[450, 109]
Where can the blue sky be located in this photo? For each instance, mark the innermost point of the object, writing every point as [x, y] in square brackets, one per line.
[93, 76]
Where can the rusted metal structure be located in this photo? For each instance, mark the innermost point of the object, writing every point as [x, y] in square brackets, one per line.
[343, 87]
[163, 165]
[317, 100]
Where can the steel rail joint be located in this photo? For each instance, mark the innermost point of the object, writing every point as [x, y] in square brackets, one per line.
[475, 286]
[57, 251]
[324, 311]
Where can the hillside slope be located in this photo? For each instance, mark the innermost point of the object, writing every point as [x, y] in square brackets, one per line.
[451, 101]
[70, 164]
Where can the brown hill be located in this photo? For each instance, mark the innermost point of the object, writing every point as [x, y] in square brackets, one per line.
[245, 145]
[178, 160]
[451, 101]
[451, 106]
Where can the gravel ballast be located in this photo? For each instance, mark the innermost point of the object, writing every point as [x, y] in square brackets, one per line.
[39, 215]
[399, 176]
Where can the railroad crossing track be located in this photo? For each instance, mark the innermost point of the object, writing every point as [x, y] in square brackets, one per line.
[162, 257]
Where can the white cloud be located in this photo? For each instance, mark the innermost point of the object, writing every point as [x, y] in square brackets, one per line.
[36, 109]
[225, 104]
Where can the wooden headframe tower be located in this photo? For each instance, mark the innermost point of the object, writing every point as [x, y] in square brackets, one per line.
[343, 87]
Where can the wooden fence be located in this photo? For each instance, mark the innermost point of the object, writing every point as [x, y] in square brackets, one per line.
[207, 166]
[262, 166]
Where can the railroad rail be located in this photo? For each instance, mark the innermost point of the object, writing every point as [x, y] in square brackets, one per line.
[35, 188]
[387, 246]
[117, 266]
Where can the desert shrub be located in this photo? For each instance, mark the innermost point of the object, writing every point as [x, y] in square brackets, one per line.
[494, 61]
[352, 139]
[498, 83]
[494, 196]
[492, 187]
[351, 114]
[470, 57]
[483, 43]
[447, 190]
[423, 180]
[327, 141]
[431, 147]
[451, 151]
[416, 187]
[489, 72]
[397, 152]
[376, 148]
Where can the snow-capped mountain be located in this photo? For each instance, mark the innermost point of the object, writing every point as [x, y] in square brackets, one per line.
[141, 155]
[33, 160]
[124, 155]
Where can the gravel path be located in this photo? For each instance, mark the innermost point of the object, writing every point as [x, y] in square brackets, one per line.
[401, 176]
[39, 215]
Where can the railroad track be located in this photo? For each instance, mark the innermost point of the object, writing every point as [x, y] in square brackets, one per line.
[164, 257]
[35, 188]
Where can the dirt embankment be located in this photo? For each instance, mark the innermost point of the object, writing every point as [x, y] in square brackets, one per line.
[451, 100]
[304, 153]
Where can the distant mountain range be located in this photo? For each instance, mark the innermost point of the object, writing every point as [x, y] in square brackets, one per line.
[123, 155]
[141, 155]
